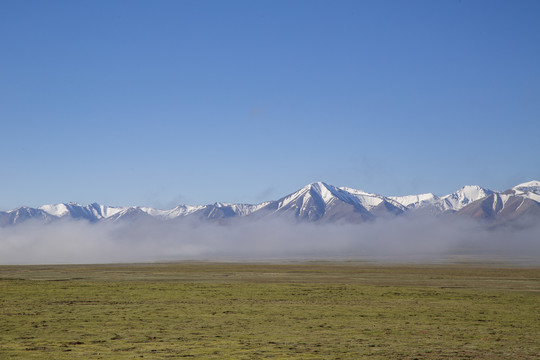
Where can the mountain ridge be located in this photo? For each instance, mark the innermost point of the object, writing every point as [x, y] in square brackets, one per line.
[315, 202]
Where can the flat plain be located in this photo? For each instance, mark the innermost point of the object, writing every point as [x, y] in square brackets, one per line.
[308, 310]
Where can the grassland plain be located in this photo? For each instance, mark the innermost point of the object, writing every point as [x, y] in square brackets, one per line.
[344, 310]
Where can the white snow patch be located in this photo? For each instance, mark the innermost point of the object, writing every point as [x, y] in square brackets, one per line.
[58, 210]
[414, 201]
[531, 186]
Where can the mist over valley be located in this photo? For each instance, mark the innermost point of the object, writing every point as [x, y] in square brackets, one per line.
[319, 221]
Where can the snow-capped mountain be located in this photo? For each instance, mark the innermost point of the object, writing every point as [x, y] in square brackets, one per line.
[530, 190]
[323, 202]
[23, 214]
[316, 202]
[95, 212]
[451, 202]
[416, 201]
[520, 201]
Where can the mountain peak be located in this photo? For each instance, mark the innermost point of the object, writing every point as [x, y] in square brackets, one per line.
[325, 191]
[221, 204]
[472, 188]
[318, 185]
[465, 196]
[414, 201]
[533, 186]
[55, 209]
[473, 191]
[530, 190]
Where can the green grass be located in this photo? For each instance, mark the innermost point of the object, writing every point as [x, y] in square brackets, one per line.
[261, 311]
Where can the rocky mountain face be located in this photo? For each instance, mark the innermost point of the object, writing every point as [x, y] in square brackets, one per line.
[317, 202]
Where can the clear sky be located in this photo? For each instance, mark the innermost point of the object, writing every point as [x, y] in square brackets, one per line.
[166, 102]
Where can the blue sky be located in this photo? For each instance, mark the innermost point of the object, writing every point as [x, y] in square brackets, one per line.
[166, 102]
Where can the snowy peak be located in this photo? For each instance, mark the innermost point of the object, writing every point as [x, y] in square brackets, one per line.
[300, 200]
[521, 201]
[451, 202]
[528, 187]
[329, 194]
[324, 191]
[415, 201]
[464, 197]
[92, 212]
[470, 192]
[318, 190]
[529, 190]
[181, 210]
[323, 202]
[58, 210]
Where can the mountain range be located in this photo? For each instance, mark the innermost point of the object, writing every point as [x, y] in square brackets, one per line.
[316, 202]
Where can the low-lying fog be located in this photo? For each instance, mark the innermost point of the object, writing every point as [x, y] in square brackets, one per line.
[397, 240]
